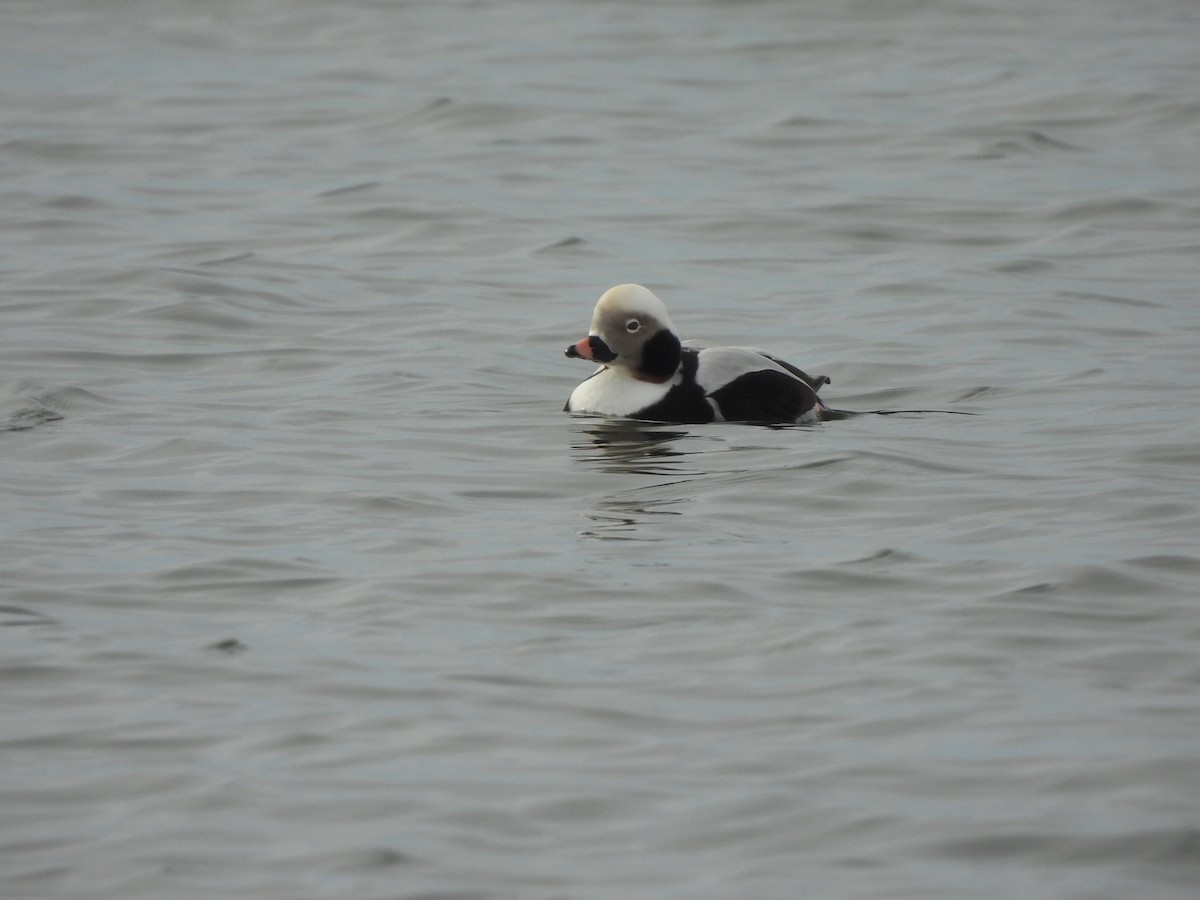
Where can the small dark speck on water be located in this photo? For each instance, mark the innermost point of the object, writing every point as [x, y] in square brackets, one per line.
[229, 645]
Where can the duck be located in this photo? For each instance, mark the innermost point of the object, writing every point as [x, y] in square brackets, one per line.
[646, 372]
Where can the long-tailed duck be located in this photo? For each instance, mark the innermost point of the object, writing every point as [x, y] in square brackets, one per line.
[648, 373]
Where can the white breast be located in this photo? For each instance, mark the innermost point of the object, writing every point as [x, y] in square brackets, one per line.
[612, 392]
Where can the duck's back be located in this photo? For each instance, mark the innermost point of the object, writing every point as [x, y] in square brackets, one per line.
[748, 385]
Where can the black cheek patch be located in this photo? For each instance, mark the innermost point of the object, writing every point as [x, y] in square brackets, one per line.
[684, 403]
[660, 356]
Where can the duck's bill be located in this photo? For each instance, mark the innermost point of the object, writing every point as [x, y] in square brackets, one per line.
[593, 348]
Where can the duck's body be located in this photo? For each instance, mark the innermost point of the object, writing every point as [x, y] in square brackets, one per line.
[648, 373]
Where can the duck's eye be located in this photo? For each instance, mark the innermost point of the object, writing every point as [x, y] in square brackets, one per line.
[632, 325]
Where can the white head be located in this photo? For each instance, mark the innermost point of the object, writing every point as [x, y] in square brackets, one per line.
[631, 328]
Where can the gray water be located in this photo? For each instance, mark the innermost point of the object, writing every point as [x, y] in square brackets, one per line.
[314, 591]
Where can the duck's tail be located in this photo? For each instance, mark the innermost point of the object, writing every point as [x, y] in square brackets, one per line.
[829, 413]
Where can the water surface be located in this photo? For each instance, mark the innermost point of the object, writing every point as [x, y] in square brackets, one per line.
[314, 591]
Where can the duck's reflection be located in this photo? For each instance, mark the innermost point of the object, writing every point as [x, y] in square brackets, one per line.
[629, 447]
[643, 448]
[623, 517]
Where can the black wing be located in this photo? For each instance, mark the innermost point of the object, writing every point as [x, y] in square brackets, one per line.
[766, 395]
[814, 383]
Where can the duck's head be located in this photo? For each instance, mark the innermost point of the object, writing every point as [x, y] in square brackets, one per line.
[631, 328]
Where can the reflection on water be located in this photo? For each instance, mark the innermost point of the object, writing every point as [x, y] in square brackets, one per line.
[642, 448]
[29, 417]
[620, 517]
[629, 447]
[707, 459]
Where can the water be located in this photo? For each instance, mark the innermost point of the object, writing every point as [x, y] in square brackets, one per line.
[314, 591]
